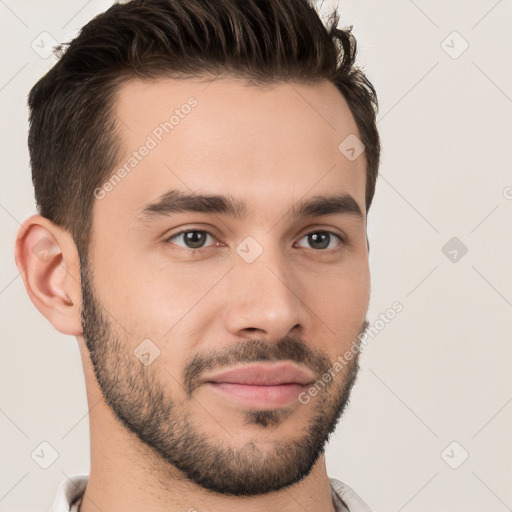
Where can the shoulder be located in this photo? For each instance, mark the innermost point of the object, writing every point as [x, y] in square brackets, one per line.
[69, 490]
[346, 499]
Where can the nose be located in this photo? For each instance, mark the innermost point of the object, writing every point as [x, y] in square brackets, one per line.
[265, 300]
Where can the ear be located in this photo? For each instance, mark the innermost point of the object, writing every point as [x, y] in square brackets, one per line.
[48, 261]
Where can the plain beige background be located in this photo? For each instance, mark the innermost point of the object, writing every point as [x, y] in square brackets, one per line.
[435, 385]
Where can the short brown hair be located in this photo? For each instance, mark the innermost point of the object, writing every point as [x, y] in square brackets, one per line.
[73, 138]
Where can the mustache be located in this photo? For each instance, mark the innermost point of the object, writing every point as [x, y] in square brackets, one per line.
[253, 351]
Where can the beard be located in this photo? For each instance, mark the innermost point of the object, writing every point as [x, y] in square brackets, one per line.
[143, 404]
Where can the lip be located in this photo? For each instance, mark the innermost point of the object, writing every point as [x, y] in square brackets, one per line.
[260, 386]
[263, 374]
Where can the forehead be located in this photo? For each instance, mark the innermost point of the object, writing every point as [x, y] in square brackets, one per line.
[267, 145]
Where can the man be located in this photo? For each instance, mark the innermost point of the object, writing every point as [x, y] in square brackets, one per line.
[203, 173]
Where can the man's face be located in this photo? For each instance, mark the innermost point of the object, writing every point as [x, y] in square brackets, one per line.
[172, 298]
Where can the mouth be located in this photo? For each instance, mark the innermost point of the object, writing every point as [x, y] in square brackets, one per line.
[261, 385]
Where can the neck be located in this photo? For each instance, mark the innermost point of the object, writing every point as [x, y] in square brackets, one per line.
[127, 476]
[129, 491]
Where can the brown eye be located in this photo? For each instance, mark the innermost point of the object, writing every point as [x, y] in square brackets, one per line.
[192, 239]
[320, 240]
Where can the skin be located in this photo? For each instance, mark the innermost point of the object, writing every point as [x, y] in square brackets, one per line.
[269, 147]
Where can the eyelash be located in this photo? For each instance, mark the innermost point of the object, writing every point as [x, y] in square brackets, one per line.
[200, 250]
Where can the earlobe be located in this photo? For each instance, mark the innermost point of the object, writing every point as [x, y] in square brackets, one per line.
[47, 259]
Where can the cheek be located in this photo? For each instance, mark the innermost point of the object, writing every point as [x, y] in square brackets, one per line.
[160, 301]
[340, 300]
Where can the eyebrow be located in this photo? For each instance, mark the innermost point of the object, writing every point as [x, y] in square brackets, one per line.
[177, 201]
